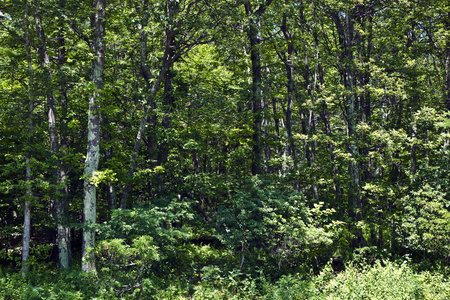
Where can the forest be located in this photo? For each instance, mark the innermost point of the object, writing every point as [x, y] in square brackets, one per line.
[224, 149]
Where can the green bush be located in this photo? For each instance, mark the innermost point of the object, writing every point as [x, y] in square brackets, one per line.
[48, 284]
[289, 287]
[263, 223]
[11, 285]
[383, 280]
[124, 269]
[378, 282]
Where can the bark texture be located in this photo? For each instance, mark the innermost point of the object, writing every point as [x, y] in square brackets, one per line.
[254, 36]
[58, 174]
[93, 145]
[29, 194]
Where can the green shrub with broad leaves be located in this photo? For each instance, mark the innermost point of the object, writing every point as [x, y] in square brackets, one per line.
[261, 222]
[125, 269]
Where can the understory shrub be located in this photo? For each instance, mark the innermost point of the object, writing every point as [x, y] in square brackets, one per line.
[383, 280]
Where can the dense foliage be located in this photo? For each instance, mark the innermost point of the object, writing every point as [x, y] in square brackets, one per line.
[224, 149]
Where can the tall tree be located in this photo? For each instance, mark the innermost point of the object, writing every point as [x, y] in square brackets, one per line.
[348, 38]
[29, 192]
[58, 173]
[93, 147]
[183, 26]
[254, 16]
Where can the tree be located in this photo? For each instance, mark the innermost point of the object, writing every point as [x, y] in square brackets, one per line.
[254, 16]
[182, 31]
[29, 192]
[93, 146]
[58, 173]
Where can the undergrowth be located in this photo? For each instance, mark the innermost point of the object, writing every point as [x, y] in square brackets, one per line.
[382, 280]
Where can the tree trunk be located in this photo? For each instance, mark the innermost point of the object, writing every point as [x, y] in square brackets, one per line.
[151, 92]
[347, 40]
[168, 105]
[29, 194]
[62, 228]
[289, 66]
[110, 186]
[93, 145]
[265, 125]
[447, 63]
[253, 34]
[447, 75]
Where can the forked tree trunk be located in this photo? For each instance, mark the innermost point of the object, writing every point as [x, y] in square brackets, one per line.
[151, 92]
[62, 227]
[168, 59]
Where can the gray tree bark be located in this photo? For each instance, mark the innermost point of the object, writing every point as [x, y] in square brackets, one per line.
[93, 145]
[29, 194]
[62, 228]
[289, 66]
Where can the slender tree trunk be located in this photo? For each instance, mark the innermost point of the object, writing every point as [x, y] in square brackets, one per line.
[254, 36]
[62, 228]
[151, 92]
[27, 206]
[275, 117]
[265, 125]
[93, 146]
[289, 66]
[447, 63]
[168, 97]
[29, 194]
[447, 75]
[347, 40]
[310, 128]
[26, 221]
[168, 105]
[110, 186]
